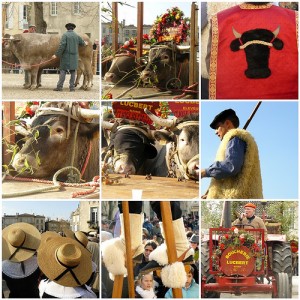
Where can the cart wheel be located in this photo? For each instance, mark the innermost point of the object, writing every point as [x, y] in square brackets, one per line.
[173, 83]
[283, 286]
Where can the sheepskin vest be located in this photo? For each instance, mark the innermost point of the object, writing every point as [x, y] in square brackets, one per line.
[245, 185]
[227, 78]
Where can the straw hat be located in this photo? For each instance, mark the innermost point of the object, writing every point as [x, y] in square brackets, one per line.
[47, 236]
[78, 236]
[65, 261]
[19, 241]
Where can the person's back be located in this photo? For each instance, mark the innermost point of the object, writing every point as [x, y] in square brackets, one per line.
[254, 53]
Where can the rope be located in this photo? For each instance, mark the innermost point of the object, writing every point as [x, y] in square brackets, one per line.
[256, 42]
[87, 159]
[25, 65]
[57, 185]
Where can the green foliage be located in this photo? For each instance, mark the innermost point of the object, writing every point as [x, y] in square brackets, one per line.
[283, 212]
[211, 212]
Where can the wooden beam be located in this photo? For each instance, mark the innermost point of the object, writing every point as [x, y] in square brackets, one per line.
[166, 215]
[115, 27]
[8, 131]
[140, 21]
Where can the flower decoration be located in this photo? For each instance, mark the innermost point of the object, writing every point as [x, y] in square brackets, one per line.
[30, 109]
[170, 26]
[234, 239]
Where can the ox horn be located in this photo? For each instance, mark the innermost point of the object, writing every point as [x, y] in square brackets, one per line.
[107, 125]
[89, 113]
[160, 121]
[276, 31]
[22, 131]
[235, 33]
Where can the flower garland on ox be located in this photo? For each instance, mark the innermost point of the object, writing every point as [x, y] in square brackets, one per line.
[167, 27]
[172, 25]
[234, 239]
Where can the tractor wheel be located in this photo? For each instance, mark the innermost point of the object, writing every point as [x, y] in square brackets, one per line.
[282, 262]
[205, 270]
[283, 285]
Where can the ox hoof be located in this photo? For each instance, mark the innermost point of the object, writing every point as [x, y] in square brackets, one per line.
[88, 88]
[26, 86]
[32, 88]
[39, 85]
[82, 87]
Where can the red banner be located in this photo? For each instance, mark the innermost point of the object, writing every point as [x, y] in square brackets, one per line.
[182, 108]
[133, 110]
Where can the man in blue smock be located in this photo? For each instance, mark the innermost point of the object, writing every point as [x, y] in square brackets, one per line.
[68, 54]
[236, 171]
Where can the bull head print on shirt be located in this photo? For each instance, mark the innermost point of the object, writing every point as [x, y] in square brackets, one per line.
[257, 44]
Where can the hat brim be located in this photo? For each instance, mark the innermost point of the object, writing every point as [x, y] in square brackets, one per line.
[52, 268]
[32, 241]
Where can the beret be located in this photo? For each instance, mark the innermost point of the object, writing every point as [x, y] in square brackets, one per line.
[222, 116]
[250, 205]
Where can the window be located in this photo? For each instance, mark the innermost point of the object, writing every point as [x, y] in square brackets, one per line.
[94, 215]
[9, 16]
[23, 16]
[103, 30]
[127, 32]
[76, 8]
[53, 9]
[133, 32]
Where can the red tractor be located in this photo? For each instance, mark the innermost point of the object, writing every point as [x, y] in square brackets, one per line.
[242, 261]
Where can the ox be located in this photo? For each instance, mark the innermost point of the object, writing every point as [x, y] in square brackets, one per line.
[131, 149]
[124, 68]
[167, 67]
[182, 139]
[34, 52]
[257, 44]
[59, 135]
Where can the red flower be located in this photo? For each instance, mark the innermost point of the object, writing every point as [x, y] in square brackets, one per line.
[29, 111]
[108, 96]
[35, 103]
[222, 246]
[242, 240]
[226, 236]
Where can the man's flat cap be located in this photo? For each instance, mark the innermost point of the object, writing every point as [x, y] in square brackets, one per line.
[222, 116]
[70, 25]
[250, 205]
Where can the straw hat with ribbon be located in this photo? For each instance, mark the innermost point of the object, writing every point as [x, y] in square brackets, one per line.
[65, 261]
[78, 236]
[20, 241]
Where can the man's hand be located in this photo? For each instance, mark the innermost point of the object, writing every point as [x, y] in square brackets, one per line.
[54, 56]
[86, 43]
[203, 173]
[243, 215]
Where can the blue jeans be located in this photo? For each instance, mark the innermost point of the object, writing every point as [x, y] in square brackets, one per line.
[62, 77]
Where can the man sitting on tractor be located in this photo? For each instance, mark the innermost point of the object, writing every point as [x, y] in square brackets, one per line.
[248, 219]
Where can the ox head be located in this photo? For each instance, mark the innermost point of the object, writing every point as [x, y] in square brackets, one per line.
[124, 68]
[50, 142]
[163, 65]
[182, 137]
[257, 44]
[131, 144]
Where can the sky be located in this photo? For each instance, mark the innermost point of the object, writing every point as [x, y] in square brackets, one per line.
[52, 209]
[275, 130]
[151, 10]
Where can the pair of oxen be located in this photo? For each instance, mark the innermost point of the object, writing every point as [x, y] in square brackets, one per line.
[167, 67]
[64, 134]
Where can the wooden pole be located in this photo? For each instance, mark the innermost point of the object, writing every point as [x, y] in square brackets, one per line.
[115, 27]
[166, 215]
[118, 286]
[140, 21]
[193, 45]
[252, 115]
[129, 263]
[8, 131]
